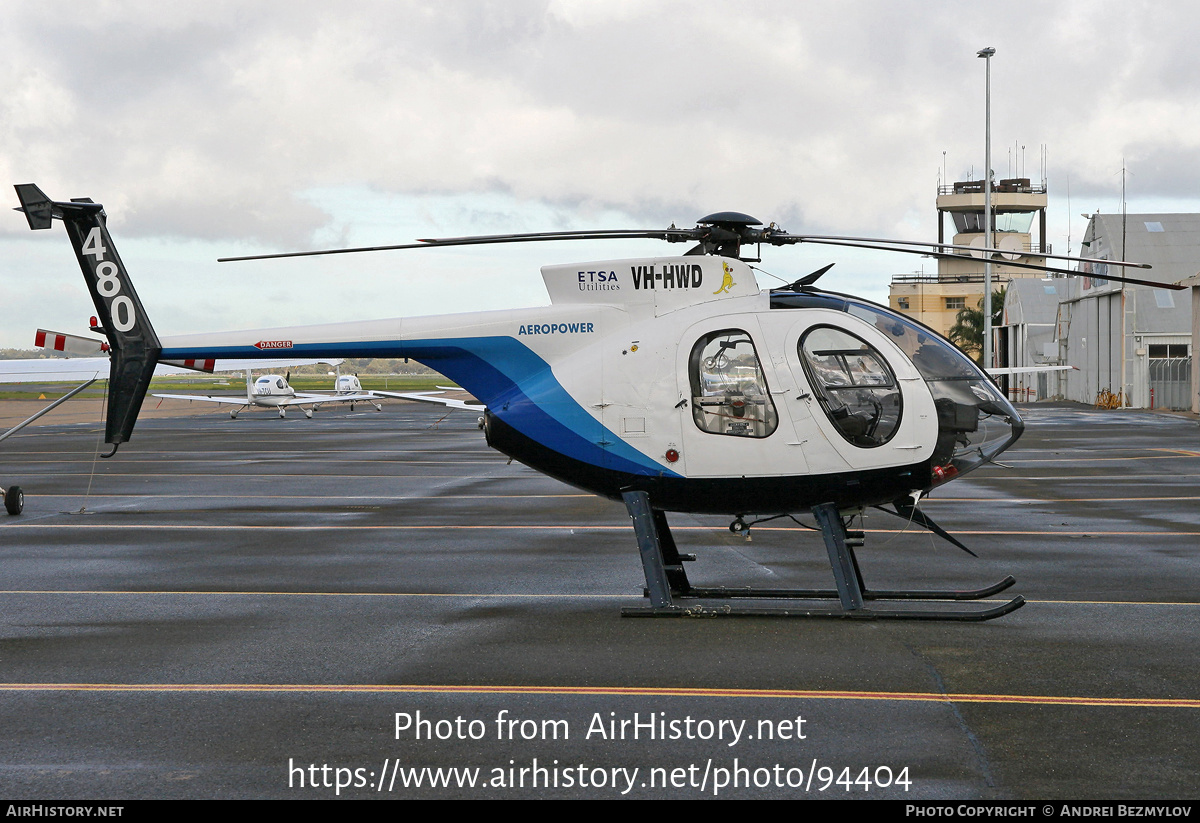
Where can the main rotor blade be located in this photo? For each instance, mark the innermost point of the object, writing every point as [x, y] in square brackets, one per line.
[813, 238]
[680, 235]
[672, 235]
[941, 256]
[325, 251]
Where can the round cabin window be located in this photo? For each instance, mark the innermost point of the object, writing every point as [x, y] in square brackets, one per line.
[729, 391]
[853, 383]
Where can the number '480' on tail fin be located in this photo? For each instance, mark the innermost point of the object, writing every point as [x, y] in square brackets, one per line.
[134, 345]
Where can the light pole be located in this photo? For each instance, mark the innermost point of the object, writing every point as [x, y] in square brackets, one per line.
[986, 54]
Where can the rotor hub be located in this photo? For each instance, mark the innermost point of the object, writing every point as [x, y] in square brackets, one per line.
[729, 220]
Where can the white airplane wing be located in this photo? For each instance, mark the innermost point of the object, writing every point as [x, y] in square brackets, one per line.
[309, 398]
[51, 369]
[229, 399]
[315, 397]
[430, 397]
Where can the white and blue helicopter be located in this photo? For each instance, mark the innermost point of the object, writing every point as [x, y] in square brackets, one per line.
[674, 384]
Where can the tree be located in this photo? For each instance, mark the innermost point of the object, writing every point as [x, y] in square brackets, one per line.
[967, 331]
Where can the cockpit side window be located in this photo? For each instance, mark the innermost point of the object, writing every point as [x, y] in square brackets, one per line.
[853, 383]
[729, 391]
[280, 384]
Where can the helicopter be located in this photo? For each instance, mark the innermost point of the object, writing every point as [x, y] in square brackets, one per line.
[674, 384]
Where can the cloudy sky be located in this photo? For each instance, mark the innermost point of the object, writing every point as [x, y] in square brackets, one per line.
[218, 128]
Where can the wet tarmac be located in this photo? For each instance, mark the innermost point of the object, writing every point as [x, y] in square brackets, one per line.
[373, 602]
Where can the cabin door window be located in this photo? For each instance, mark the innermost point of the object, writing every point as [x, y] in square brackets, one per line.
[854, 384]
[729, 391]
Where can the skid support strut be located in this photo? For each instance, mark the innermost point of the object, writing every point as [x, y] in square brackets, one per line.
[671, 594]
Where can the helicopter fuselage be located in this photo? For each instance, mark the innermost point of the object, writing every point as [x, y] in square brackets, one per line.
[679, 377]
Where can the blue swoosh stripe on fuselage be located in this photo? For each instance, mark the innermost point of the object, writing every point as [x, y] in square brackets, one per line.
[517, 385]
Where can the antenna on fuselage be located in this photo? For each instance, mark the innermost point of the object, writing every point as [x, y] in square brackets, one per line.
[809, 279]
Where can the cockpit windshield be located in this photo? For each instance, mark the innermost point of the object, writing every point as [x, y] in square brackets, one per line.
[975, 421]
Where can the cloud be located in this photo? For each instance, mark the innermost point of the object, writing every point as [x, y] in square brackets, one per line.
[216, 121]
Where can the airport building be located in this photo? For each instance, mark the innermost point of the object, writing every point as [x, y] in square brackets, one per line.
[1028, 337]
[1193, 284]
[936, 299]
[1126, 345]
[1131, 345]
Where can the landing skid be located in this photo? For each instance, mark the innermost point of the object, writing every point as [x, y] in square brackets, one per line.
[672, 595]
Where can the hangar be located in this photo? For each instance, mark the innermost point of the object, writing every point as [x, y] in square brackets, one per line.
[1131, 341]
[1027, 337]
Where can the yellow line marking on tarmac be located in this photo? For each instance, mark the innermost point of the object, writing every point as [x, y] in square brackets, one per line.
[501, 595]
[1019, 451]
[250, 458]
[290, 457]
[609, 691]
[485, 457]
[1074, 478]
[426, 497]
[1115, 602]
[149, 496]
[1032, 499]
[1024, 460]
[281, 453]
[136, 475]
[323, 594]
[342, 527]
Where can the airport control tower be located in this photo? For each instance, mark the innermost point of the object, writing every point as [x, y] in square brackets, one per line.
[935, 299]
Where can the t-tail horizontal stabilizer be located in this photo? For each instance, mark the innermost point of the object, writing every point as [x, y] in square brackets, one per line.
[134, 347]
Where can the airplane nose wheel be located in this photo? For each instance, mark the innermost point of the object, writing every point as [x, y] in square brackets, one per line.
[740, 527]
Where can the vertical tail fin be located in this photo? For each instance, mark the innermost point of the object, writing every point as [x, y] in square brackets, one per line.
[134, 345]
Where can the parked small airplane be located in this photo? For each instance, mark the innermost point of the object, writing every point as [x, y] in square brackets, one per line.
[92, 364]
[273, 391]
[347, 388]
